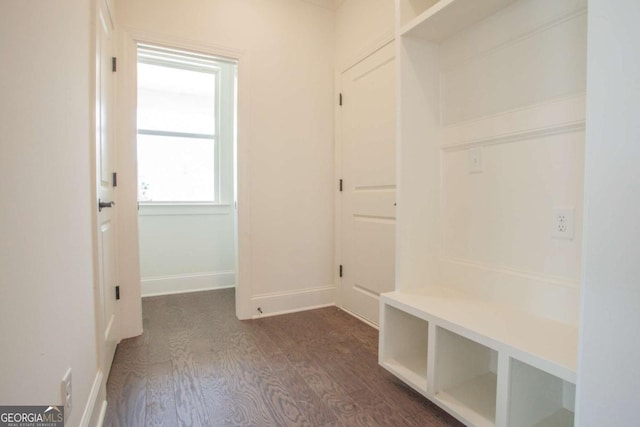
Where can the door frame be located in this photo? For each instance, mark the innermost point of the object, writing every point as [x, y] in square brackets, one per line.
[126, 99]
[338, 164]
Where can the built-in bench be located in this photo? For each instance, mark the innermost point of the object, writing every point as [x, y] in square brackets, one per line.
[485, 364]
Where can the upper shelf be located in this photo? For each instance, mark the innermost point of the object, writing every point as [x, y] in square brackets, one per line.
[446, 17]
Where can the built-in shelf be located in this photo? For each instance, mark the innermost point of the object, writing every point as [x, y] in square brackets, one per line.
[546, 344]
[561, 418]
[490, 306]
[404, 352]
[449, 347]
[465, 377]
[475, 400]
[446, 17]
[537, 398]
[412, 372]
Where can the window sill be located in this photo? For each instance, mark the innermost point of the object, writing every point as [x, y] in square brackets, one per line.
[167, 209]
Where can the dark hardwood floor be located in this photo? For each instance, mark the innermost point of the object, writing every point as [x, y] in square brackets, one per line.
[197, 365]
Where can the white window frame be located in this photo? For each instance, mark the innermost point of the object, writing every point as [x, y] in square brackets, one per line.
[210, 64]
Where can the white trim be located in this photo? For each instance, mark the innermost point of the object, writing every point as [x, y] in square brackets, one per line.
[293, 310]
[337, 198]
[385, 39]
[522, 274]
[360, 318]
[292, 301]
[164, 40]
[91, 403]
[182, 283]
[131, 35]
[170, 209]
[562, 115]
[103, 414]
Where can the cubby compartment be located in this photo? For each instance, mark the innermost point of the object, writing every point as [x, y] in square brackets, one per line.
[466, 377]
[403, 346]
[539, 399]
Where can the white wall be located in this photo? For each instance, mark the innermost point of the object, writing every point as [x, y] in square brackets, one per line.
[286, 126]
[361, 26]
[186, 248]
[608, 374]
[47, 318]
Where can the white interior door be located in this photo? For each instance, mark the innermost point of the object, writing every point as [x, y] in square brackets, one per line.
[369, 185]
[105, 158]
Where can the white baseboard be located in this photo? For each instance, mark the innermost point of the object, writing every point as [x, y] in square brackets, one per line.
[292, 301]
[90, 417]
[360, 318]
[166, 285]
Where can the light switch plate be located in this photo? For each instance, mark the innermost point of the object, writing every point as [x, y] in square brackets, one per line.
[475, 160]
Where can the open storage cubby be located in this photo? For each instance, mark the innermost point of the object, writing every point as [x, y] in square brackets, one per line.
[485, 365]
[538, 398]
[466, 377]
[404, 352]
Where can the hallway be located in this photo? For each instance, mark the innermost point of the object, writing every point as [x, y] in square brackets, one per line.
[196, 364]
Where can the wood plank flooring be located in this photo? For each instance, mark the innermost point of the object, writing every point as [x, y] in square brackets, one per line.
[197, 365]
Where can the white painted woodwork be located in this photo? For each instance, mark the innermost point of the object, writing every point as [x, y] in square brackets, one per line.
[473, 88]
[368, 173]
[127, 211]
[488, 234]
[546, 344]
[105, 166]
[608, 374]
[476, 260]
[472, 339]
[292, 301]
[404, 352]
[557, 116]
[183, 283]
[538, 398]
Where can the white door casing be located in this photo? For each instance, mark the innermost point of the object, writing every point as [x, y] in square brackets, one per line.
[106, 306]
[369, 182]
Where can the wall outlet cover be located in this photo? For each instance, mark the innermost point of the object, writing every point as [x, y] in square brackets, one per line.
[562, 223]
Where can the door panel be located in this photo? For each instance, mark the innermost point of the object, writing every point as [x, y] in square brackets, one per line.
[374, 240]
[369, 191]
[107, 318]
[376, 203]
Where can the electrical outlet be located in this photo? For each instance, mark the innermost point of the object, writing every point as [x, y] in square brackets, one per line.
[66, 393]
[475, 160]
[562, 223]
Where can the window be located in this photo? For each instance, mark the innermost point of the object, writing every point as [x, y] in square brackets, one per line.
[178, 126]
